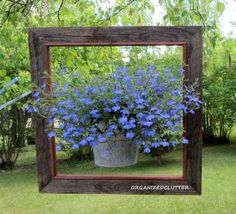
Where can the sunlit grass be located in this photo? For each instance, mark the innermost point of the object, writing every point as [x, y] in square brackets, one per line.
[171, 164]
[19, 191]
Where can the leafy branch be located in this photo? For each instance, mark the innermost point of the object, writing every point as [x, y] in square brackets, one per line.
[116, 12]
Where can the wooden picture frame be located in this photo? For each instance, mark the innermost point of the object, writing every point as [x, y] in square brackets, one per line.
[190, 38]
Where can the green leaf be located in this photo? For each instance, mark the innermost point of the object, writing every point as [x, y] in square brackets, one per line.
[7, 79]
[161, 2]
[2, 73]
[220, 7]
[196, 18]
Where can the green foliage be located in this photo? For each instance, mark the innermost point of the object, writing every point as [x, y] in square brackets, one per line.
[8, 150]
[220, 91]
[219, 79]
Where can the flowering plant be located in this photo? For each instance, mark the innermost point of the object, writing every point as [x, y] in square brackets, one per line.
[146, 106]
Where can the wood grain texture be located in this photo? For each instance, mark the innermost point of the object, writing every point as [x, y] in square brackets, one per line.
[108, 35]
[119, 186]
[37, 62]
[40, 39]
[194, 121]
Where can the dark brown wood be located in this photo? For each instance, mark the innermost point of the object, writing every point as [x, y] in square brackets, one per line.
[185, 67]
[119, 177]
[163, 187]
[41, 39]
[194, 121]
[37, 60]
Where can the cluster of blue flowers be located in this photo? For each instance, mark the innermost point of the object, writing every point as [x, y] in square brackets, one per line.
[146, 106]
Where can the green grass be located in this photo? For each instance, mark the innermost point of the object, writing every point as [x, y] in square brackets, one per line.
[19, 191]
[171, 164]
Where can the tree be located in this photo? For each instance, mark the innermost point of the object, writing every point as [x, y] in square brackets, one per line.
[218, 63]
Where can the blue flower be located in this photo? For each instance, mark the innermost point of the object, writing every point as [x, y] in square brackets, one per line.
[83, 142]
[148, 133]
[169, 123]
[146, 123]
[51, 120]
[63, 70]
[164, 143]
[191, 111]
[174, 143]
[77, 93]
[93, 129]
[36, 94]
[37, 100]
[125, 111]
[158, 112]
[114, 100]
[65, 134]
[66, 117]
[138, 142]
[74, 118]
[54, 109]
[139, 101]
[93, 89]
[115, 108]
[29, 109]
[129, 126]
[118, 92]
[109, 134]
[93, 112]
[90, 138]
[107, 110]
[130, 135]
[80, 129]
[51, 134]
[147, 150]
[150, 67]
[101, 139]
[61, 111]
[150, 117]
[43, 86]
[184, 141]
[122, 120]
[155, 144]
[66, 86]
[165, 115]
[93, 143]
[76, 133]
[58, 147]
[112, 127]
[180, 107]
[86, 101]
[71, 129]
[75, 146]
[62, 103]
[143, 93]
[140, 106]
[171, 102]
[140, 115]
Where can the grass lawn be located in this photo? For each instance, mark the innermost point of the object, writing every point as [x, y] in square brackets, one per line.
[171, 164]
[19, 191]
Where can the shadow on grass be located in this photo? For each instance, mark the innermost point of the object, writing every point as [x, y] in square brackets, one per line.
[171, 164]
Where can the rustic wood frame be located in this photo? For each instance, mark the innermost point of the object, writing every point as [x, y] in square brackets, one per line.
[190, 38]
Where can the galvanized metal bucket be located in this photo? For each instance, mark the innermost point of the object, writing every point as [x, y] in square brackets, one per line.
[116, 152]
